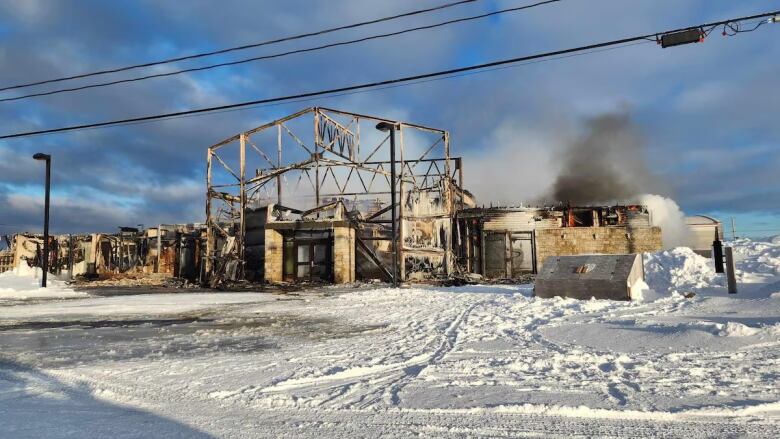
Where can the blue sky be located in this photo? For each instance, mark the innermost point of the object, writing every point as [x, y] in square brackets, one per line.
[707, 113]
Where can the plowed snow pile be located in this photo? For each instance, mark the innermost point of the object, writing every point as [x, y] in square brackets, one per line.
[24, 282]
[682, 271]
[757, 257]
[679, 270]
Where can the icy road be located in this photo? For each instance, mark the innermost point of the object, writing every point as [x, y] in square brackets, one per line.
[487, 361]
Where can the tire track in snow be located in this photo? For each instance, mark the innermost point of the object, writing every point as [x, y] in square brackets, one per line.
[381, 382]
[448, 343]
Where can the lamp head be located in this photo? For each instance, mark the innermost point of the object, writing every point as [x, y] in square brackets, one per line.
[41, 156]
[385, 126]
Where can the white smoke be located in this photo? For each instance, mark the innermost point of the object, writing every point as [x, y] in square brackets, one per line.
[518, 166]
[667, 215]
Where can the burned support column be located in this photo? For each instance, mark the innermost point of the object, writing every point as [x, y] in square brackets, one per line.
[449, 193]
[279, 163]
[70, 257]
[401, 210]
[316, 157]
[459, 164]
[121, 251]
[241, 236]
[159, 248]
[210, 244]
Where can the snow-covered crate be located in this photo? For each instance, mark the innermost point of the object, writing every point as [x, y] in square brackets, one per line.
[587, 276]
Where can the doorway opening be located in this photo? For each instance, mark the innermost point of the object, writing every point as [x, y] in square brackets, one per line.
[308, 256]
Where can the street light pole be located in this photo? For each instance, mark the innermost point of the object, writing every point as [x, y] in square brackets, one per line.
[45, 256]
[386, 126]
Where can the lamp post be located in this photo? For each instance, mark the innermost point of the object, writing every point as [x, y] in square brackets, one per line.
[385, 127]
[45, 258]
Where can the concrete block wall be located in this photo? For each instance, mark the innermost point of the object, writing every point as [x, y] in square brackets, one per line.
[274, 255]
[594, 240]
[343, 254]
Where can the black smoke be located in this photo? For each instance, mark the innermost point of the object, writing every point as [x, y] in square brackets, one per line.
[607, 164]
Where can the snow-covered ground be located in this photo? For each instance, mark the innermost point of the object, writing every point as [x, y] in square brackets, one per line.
[424, 361]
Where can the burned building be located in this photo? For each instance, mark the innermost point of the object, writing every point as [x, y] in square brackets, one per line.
[68, 254]
[168, 249]
[324, 195]
[507, 242]
[314, 196]
[309, 197]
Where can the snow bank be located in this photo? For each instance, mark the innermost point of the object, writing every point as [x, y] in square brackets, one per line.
[758, 257]
[24, 282]
[680, 270]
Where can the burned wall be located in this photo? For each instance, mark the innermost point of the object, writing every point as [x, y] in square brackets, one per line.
[343, 254]
[63, 249]
[596, 240]
[274, 256]
[426, 230]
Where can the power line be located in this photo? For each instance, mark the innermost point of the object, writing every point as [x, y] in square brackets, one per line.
[388, 82]
[386, 87]
[244, 47]
[279, 55]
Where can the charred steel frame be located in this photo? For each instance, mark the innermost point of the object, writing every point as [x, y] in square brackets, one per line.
[336, 145]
